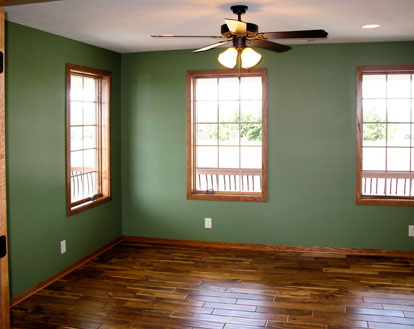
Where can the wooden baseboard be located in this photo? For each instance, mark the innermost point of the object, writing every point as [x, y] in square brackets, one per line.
[26, 294]
[270, 247]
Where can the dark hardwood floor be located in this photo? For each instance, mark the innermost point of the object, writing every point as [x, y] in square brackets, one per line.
[137, 285]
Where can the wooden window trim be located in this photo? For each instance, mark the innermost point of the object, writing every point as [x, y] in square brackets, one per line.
[192, 194]
[377, 199]
[104, 140]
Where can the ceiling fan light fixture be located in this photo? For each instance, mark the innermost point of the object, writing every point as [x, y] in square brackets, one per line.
[250, 58]
[370, 26]
[228, 58]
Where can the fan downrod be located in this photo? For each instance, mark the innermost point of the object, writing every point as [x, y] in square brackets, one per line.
[239, 10]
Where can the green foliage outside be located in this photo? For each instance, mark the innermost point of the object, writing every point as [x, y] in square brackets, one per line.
[251, 132]
[373, 131]
[376, 131]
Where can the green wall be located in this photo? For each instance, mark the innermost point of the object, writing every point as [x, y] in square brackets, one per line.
[35, 137]
[311, 154]
[311, 167]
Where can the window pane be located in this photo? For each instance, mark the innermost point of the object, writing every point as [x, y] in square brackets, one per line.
[207, 134]
[399, 110]
[207, 157]
[89, 160]
[89, 89]
[373, 134]
[229, 182]
[75, 113]
[76, 88]
[373, 158]
[229, 111]
[251, 88]
[397, 187]
[251, 134]
[206, 181]
[76, 188]
[374, 86]
[76, 139]
[89, 113]
[251, 157]
[206, 89]
[399, 134]
[76, 162]
[398, 159]
[229, 134]
[250, 182]
[206, 111]
[251, 111]
[399, 86]
[373, 185]
[229, 157]
[89, 184]
[89, 137]
[374, 110]
[229, 88]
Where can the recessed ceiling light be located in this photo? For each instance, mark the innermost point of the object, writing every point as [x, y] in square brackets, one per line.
[370, 26]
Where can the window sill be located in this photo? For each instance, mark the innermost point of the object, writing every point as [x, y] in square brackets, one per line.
[369, 201]
[227, 197]
[87, 205]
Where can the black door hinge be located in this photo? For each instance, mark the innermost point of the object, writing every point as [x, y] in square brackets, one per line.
[3, 249]
[1, 62]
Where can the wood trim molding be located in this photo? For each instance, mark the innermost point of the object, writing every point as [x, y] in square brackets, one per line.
[4, 272]
[5, 3]
[26, 294]
[103, 133]
[270, 247]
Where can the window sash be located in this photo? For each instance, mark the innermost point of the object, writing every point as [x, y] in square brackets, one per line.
[383, 187]
[193, 190]
[83, 176]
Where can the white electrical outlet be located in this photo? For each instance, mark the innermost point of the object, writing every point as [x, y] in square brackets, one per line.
[62, 246]
[411, 230]
[208, 223]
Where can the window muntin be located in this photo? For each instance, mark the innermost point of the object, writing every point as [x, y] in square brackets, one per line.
[385, 157]
[226, 119]
[88, 138]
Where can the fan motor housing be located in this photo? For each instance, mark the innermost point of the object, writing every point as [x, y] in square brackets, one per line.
[252, 30]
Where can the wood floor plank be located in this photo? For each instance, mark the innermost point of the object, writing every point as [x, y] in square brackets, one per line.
[147, 286]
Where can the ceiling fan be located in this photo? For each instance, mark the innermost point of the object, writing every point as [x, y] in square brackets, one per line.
[242, 34]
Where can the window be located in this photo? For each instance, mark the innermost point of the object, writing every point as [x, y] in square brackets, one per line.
[88, 173]
[227, 135]
[385, 135]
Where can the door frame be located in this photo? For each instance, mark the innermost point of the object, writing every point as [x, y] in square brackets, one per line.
[4, 272]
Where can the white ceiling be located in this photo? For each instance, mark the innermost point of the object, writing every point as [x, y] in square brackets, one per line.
[126, 25]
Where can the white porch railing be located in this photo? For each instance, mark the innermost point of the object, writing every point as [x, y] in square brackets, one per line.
[229, 179]
[397, 183]
[83, 183]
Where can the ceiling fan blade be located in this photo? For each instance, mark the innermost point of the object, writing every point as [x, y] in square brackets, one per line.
[236, 27]
[214, 45]
[269, 45]
[305, 34]
[186, 36]
[6, 3]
